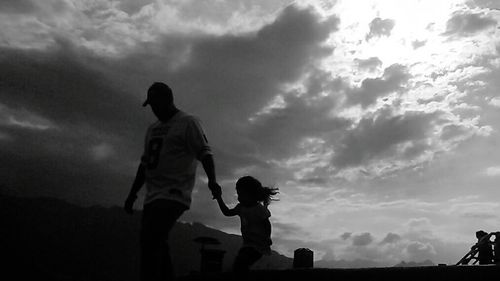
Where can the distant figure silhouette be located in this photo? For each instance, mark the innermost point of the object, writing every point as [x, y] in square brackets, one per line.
[485, 251]
[496, 248]
[254, 215]
[173, 145]
[482, 251]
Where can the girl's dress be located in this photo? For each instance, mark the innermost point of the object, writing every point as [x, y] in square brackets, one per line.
[255, 227]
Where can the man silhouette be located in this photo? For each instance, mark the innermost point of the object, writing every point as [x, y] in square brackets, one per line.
[173, 146]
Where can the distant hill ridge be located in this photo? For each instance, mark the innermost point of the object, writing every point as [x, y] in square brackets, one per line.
[72, 242]
[96, 243]
[415, 264]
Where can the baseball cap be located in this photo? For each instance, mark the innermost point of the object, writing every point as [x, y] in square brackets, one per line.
[159, 91]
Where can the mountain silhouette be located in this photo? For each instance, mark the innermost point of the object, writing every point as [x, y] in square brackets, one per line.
[415, 264]
[61, 241]
[356, 263]
[50, 239]
[365, 263]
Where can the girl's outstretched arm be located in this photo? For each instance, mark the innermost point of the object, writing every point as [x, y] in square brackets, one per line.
[225, 210]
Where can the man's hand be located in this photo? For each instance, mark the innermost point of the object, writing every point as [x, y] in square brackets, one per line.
[215, 188]
[129, 203]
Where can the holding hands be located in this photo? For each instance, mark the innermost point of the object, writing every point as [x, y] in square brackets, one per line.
[215, 188]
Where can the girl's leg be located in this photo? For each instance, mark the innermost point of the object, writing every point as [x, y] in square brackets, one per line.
[246, 257]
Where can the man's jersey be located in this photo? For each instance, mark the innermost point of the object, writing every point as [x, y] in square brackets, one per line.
[171, 153]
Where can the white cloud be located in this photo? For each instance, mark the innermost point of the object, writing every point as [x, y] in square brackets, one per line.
[115, 27]
[419, 224]
[493, 171]
[418, 251]
[495, 102]
[23, 118]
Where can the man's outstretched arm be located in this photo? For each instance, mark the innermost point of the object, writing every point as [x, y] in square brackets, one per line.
[140, 178]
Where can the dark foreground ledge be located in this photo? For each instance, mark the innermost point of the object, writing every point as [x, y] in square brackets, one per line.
[428, 273]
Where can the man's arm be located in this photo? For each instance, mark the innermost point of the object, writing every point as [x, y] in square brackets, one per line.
[140, 178]
[209, 167]
[198, 144]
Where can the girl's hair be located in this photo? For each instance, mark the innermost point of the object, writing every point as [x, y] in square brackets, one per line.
[261, 193]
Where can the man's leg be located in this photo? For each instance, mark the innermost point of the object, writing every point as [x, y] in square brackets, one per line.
[159, 217]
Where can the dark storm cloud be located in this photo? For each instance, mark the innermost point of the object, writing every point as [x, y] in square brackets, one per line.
[72, 88]
[452, 131]
[94, 101]
[241, 74]
[78, 94]
[380, 27]
[58, 163]
[370, 64]
[479, 215]
[390, 238]
[346, 235]
[65, 85]
[467, 24]
[133, 6]
[393, 79]
[418, 44]
[314, 180]
[222, 11]
[279, 132]
[363, 239]
[376, 137]
[491, 4]
[17, 6]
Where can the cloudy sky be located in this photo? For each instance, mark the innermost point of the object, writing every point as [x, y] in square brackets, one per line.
[378, 120]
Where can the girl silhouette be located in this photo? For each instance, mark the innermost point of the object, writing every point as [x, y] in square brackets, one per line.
[255, 225]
